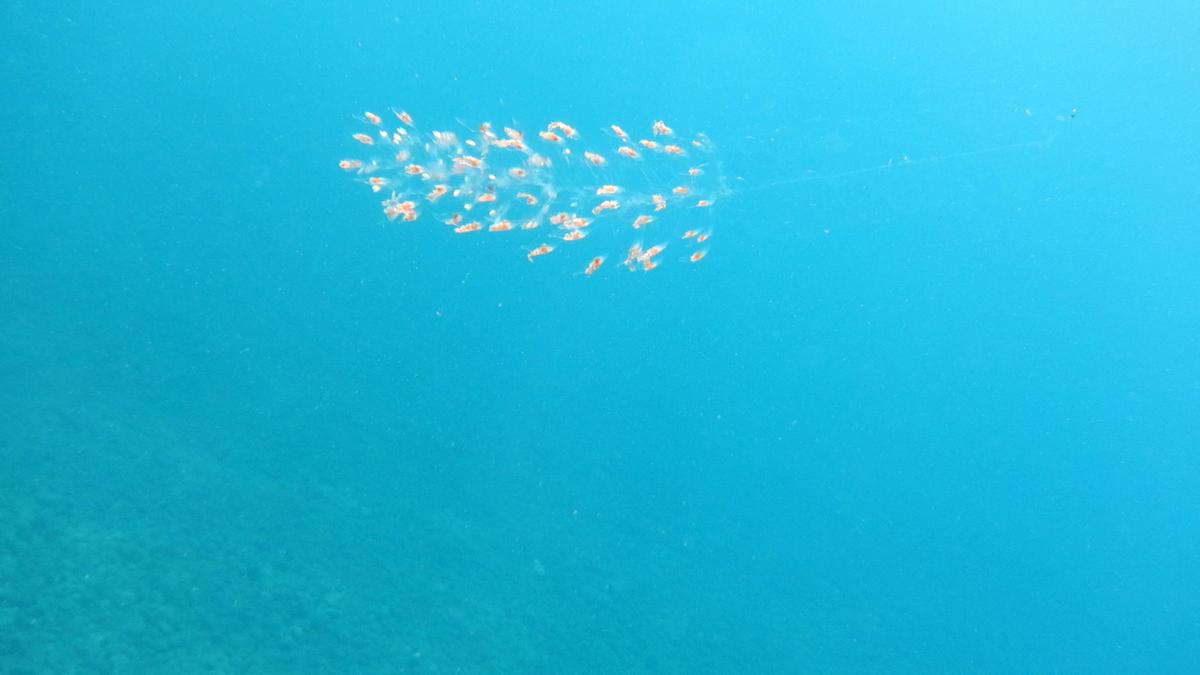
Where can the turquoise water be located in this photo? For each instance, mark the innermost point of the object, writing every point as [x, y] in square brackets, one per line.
[926, 416]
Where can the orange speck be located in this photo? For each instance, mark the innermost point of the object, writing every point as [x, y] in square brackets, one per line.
[567, 130]
[606, 205]
[540, 250]
[635, 252]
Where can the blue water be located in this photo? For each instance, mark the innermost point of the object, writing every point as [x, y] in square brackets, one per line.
[938, 417]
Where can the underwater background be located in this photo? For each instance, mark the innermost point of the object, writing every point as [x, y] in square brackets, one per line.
[928, 416]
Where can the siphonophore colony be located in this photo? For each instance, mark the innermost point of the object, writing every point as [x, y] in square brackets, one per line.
[611, 200]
